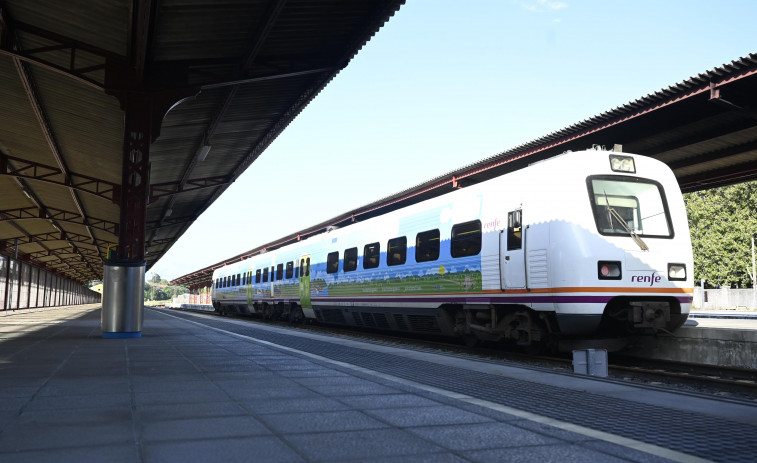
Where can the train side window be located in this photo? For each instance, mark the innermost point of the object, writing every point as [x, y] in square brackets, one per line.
[239, 279]
[466, 239]
[396, 251]
[265, 275]
[350, 259]
[302, 267]
[307, 267]
[514, 230]
[296, 270]
[257, 275]
[280, 272]
[290, 270]
[427, 246]
[371, 255]
[332, 262]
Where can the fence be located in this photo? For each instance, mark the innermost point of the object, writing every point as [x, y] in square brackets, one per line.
[193, 298]
[24, 286]
[725, 298]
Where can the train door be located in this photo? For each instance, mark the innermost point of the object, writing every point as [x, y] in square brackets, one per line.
[305, 282]
[512, 262]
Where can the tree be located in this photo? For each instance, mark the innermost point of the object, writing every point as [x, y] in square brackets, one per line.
[722, 222]
[155, 278]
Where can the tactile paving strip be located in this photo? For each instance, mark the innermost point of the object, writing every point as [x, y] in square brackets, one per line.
[687, 432]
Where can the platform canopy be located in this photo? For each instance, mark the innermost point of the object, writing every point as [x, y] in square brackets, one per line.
[217, 81]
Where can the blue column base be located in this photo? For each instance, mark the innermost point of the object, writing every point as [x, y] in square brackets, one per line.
[111, 335]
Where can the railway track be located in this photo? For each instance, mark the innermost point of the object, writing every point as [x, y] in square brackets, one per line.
[729, 383]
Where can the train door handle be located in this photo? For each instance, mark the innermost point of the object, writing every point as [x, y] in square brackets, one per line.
[507, 257]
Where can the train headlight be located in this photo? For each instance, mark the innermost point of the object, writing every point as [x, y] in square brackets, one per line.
[622, 164]
[609, 270]
[676, 272]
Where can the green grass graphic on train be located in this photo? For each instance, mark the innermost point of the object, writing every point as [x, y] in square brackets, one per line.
[461, 282]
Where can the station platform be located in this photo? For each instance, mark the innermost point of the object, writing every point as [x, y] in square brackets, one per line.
[722, 338]
[197, 387]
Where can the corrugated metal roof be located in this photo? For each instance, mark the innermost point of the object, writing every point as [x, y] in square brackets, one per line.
[247, 68]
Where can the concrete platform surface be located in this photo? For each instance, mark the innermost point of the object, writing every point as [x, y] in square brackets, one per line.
[192, 390]
[721, 338]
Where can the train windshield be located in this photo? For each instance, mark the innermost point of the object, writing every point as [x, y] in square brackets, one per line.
[628, 206]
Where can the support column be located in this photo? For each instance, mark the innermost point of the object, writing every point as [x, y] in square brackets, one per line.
[124, 277]
[135, 182]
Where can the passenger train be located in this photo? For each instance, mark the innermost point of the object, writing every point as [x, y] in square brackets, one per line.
[587, 245]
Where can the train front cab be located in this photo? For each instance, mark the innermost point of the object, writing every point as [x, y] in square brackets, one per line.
[639, 274]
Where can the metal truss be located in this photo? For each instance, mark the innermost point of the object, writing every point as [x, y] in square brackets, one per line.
[58, 215]
[23, 168]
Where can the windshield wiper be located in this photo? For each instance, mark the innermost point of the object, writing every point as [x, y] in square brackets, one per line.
[636, 238]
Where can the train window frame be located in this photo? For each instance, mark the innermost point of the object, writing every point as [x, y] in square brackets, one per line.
[371, 255]
[279, 272]
[350, 260]
[465, 239]
[289, 270]
[427, 245]
[265, 275]
[332, 262]
[396, 251]
[596, 212]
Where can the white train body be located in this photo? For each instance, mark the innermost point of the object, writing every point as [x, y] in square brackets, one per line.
[568, 247]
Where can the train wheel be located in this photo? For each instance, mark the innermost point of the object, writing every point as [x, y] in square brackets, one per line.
[295, 315]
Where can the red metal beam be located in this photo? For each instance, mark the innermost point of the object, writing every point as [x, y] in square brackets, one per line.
[161, 190]
[48, 57]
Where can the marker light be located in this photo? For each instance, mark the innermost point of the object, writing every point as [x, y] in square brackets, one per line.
[622, 164]
[676, 272]
[608, 270]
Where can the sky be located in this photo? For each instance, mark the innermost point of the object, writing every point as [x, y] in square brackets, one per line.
[447, 83]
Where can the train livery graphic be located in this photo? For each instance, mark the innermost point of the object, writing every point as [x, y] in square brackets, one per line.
[587, 245]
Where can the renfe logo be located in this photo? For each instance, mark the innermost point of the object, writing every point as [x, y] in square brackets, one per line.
[652, 279]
